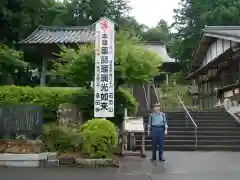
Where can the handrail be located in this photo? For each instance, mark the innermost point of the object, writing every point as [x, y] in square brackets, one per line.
[188, 114]
[184, 107]
[145, 94]
[156, 93]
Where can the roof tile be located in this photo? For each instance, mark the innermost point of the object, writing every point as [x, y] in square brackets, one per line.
[233, 31]
[61, 35]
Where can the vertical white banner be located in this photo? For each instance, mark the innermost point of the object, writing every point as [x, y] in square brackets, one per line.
[104, 69]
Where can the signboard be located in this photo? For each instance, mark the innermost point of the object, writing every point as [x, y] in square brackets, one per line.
[104, 69]
[21, 119]
[134, 125]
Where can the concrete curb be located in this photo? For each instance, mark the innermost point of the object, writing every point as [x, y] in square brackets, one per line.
[27, 160]
[50, 159]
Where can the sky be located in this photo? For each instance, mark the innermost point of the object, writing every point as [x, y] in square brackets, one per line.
[149, 12]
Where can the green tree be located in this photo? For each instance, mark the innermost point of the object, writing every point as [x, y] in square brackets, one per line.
[159, 33]
[193, 16]
[18, 18]
[86, 12]
[11, 61]
[131, 25]
[133, 63]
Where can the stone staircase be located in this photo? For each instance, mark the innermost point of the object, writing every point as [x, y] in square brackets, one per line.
[217, 131]
[144, 98]
[140, 93]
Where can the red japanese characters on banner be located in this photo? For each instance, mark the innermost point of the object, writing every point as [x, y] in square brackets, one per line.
[104, 69]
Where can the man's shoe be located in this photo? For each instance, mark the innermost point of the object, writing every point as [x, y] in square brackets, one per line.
[153, 159]
[162, 159]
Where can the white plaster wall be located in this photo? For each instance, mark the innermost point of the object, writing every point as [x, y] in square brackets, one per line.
[216, 49]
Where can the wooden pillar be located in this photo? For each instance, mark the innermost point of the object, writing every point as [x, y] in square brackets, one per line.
[43, 72]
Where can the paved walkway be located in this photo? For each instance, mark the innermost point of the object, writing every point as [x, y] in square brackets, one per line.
[179, 166]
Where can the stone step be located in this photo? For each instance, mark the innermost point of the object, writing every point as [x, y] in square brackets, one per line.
[192, 137]
[181, 114]
[172, 148]
[201, 133]
[183, 119]
[206, 133]
[198, 148]
[202, 129]
[169, 142]
[209, 118]
[217, 130]
[224, 142]
[204, 124]
[192, 142]
[218, 148]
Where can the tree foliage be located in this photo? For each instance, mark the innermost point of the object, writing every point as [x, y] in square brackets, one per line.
[160, 33]
[11, 62]
[11, 59]
[133, 63]
[193, 16]
[18, 18]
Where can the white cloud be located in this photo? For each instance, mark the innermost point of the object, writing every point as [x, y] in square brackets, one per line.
[149, 12]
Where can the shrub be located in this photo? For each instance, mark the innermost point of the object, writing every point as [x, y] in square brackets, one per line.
[61, 139]
[99, 138]
[48, 98]
[123, 99]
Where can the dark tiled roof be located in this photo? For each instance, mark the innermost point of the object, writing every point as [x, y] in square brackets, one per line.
[60, 35]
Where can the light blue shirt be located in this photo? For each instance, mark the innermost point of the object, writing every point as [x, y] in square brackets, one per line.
[157, 119]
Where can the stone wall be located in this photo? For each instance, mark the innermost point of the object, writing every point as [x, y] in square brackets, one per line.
[20, 146]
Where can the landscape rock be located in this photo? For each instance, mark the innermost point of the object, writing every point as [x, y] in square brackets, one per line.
[66, 161]
[68, 114]
[93, 163]
[20, 146]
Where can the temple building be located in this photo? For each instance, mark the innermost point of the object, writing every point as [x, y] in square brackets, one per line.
[44, 43]
[215, 65]
[169, 65]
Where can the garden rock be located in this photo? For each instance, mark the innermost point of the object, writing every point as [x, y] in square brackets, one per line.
[66, 161]
[21, 146]
[93, 163]
[68, 114]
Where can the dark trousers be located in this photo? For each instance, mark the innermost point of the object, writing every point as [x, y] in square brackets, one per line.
[157, 141]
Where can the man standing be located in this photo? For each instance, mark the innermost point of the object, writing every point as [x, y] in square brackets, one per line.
[157, 127]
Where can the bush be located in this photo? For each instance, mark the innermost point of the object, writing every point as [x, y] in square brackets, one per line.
[48, 98]
[99, 138]
[61, 139]
[123, 99]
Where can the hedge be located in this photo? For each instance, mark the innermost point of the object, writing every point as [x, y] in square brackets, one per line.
[50, 98]
[123, 99]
